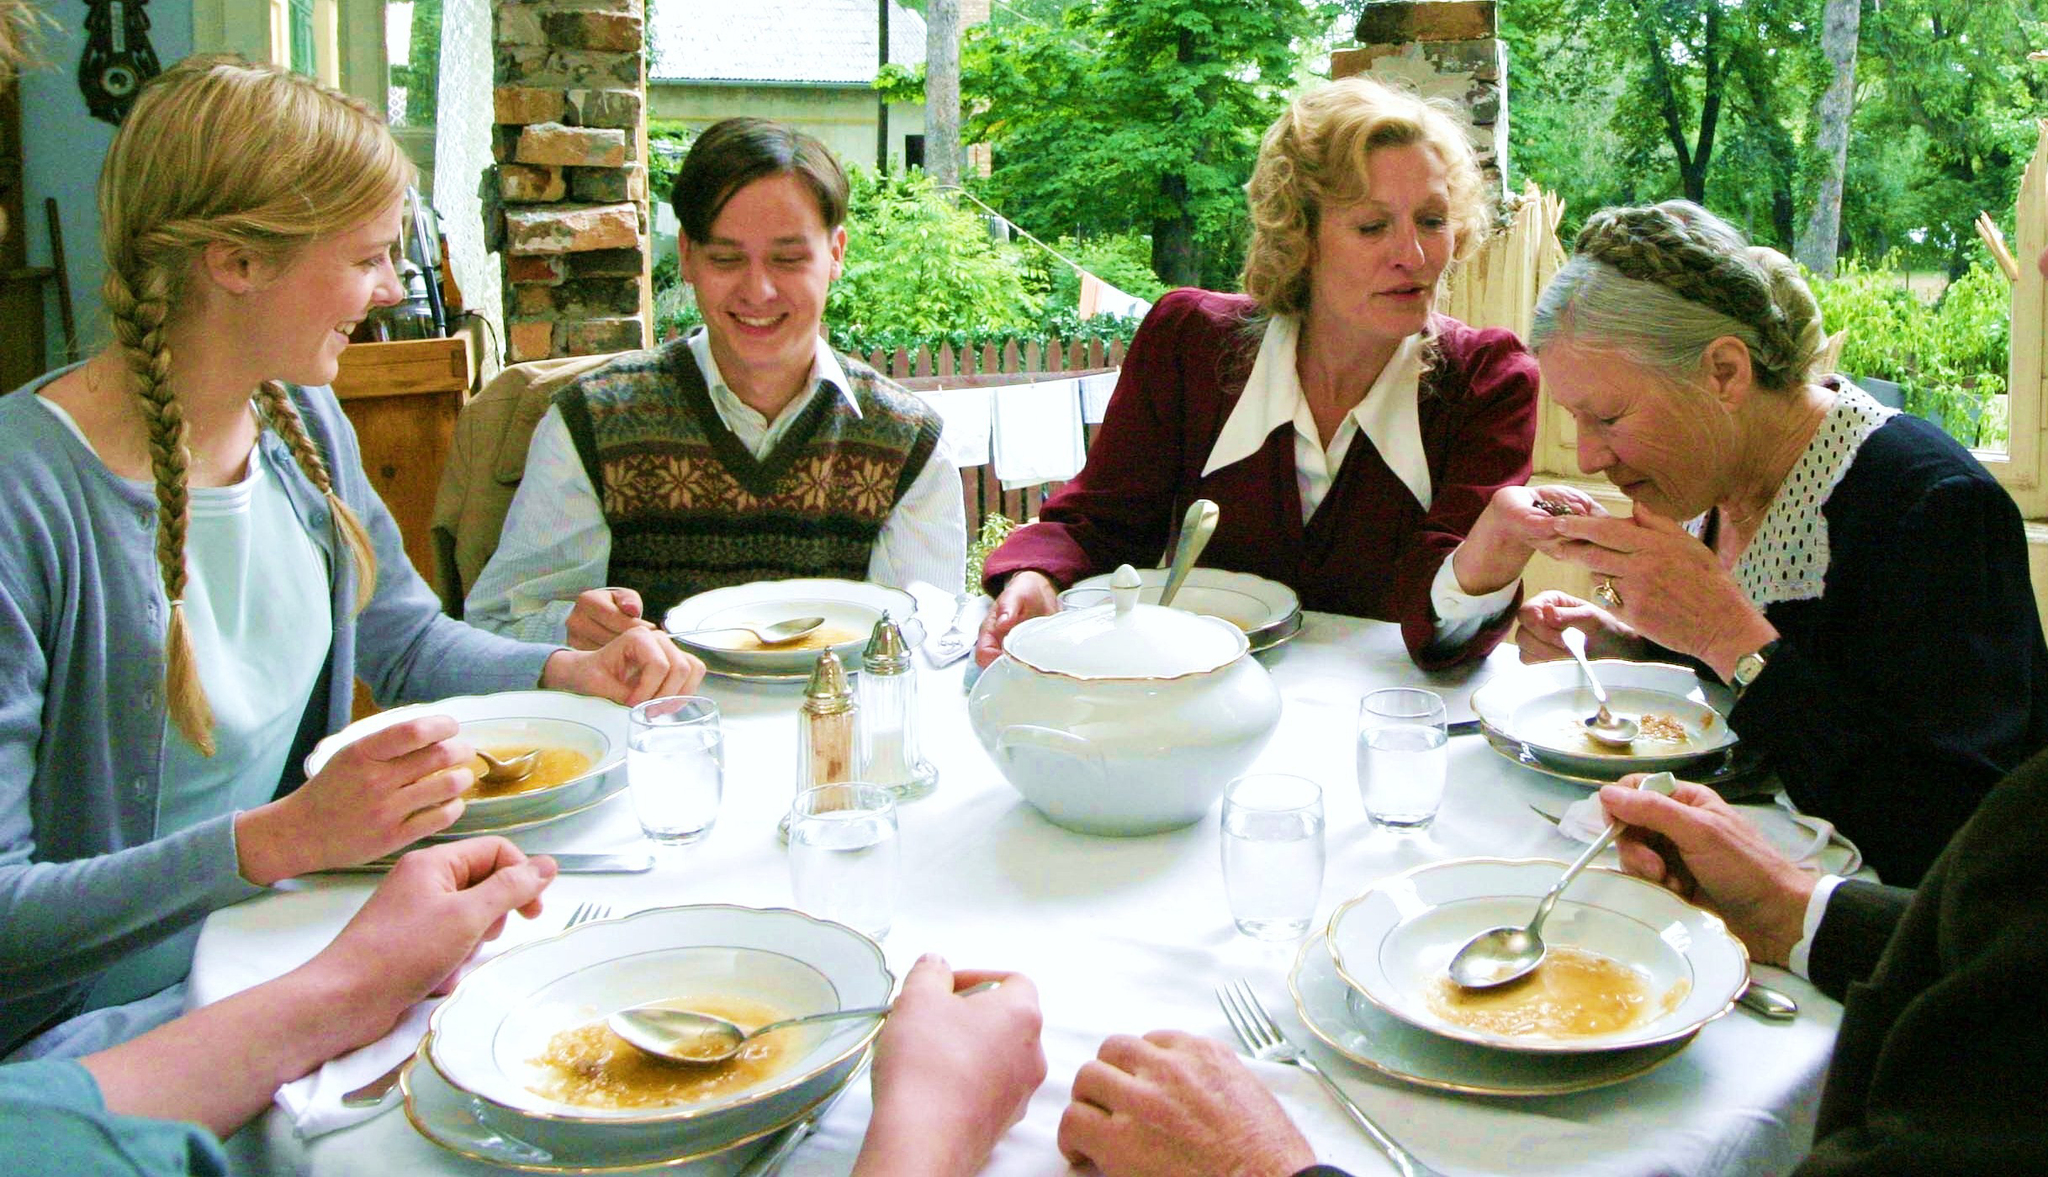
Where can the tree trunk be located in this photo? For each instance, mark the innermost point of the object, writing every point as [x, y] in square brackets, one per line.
[1173, 235]
[1838, 36]
[942, 91]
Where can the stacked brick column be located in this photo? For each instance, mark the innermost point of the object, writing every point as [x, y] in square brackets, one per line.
[1445, 49]
[568, 196]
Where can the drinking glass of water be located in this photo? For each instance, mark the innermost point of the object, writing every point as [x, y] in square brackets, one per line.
[675, 767]
[843, 855]
[1402, 757]
[1273, 854]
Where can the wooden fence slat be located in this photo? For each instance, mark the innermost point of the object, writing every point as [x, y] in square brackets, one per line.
[946, 359]
[899, 364]
[922, 364]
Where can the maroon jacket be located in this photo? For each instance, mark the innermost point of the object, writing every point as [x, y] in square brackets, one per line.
[1370, 550]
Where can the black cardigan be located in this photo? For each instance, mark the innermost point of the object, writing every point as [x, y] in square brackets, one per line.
[1919, 678]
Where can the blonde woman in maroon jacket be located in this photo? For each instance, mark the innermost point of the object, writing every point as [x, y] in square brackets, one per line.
[1349, 433]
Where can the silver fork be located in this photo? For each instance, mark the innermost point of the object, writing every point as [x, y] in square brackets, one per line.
[375, 1090]
[957, 640]
[585, 912]
[1263, 1041]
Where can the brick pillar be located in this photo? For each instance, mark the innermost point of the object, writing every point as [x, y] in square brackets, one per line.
[1445, 49]
[568, 197]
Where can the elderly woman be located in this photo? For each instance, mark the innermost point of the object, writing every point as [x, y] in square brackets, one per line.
[1852, 572]
[1349, 433]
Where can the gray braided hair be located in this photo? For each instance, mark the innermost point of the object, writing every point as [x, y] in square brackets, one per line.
[1658, 284]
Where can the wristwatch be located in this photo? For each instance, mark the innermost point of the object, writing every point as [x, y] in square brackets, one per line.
[1752, 664]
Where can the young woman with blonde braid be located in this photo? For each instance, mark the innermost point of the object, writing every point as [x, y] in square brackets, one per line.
[194, 568]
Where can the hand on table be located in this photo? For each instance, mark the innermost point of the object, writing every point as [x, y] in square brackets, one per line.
[1025, 595]
[1700, 848]
[221, 1064]
[1672, 589]
[1174, 1105]
[386, 790]
[637, 665]
[952, 1073]
[1511, 529]
[601, 614]
[423, 922]
[1540, 626]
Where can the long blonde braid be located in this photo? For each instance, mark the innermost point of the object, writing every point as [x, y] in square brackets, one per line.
[282, 415]
[138, 313]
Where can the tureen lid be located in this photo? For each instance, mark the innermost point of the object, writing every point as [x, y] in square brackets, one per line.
[1126, 639]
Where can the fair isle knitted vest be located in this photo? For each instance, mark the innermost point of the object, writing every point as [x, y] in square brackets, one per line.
[691, 509]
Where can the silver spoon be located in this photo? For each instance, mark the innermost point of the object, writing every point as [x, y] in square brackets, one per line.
[767, 635]
[1195, 529]
[1499, 955]
[686, 1036]
[509, 769]
[1603, 725]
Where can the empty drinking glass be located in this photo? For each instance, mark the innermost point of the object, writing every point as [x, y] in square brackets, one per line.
[1273, 854]
[843, 855]
[1402, 757]
[675, 767]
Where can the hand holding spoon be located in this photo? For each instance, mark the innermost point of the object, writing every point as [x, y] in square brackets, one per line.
[1500, 955]
[768, 635]
[686, 1036]
[1603, 726]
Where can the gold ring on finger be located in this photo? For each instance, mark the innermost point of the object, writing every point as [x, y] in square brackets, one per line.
[1605, 593]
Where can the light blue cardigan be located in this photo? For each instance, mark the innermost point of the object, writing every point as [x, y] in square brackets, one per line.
[82, 621]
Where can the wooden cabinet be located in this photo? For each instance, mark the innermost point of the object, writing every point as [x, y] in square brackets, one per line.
[402, 399]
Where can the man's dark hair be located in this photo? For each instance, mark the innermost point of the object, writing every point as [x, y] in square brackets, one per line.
[734, 153]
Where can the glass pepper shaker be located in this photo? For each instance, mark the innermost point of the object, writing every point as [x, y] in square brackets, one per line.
[828, 740]
[888, 709]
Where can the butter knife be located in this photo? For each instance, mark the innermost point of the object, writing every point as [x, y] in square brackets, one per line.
[776, 1153]
[570, 864]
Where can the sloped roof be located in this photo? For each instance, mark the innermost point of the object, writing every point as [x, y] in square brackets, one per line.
[786, 41]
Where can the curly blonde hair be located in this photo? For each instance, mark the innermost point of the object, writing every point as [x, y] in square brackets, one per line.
[1317, 155]
[220, 152]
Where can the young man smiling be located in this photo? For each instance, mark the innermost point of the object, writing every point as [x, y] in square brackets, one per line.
[748, 450]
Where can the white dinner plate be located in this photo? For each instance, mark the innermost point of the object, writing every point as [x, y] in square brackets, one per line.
[490, 1031]
[596, 727]
[1267, 611]
[1394, 944]
[849, 604]
[1370, 1037]
[1542, 706]
[470, 1128]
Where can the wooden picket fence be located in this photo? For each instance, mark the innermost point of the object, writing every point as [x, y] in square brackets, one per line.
[987, 367]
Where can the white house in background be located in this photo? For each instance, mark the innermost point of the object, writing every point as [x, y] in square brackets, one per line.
[810, 63]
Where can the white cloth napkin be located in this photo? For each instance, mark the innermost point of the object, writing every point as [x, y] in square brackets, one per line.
[314, 1102]
[967, 416]
[1038, 433]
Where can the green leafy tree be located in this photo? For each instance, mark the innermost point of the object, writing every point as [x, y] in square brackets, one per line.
[1135, 116]
[1953, 81]
[918, 266]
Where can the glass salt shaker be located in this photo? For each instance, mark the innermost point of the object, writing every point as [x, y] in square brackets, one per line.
[888, 709]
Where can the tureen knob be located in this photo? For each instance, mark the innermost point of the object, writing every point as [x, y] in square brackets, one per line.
[1124, 585]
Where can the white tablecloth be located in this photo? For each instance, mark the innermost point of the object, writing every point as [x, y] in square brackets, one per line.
[1127, 935]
